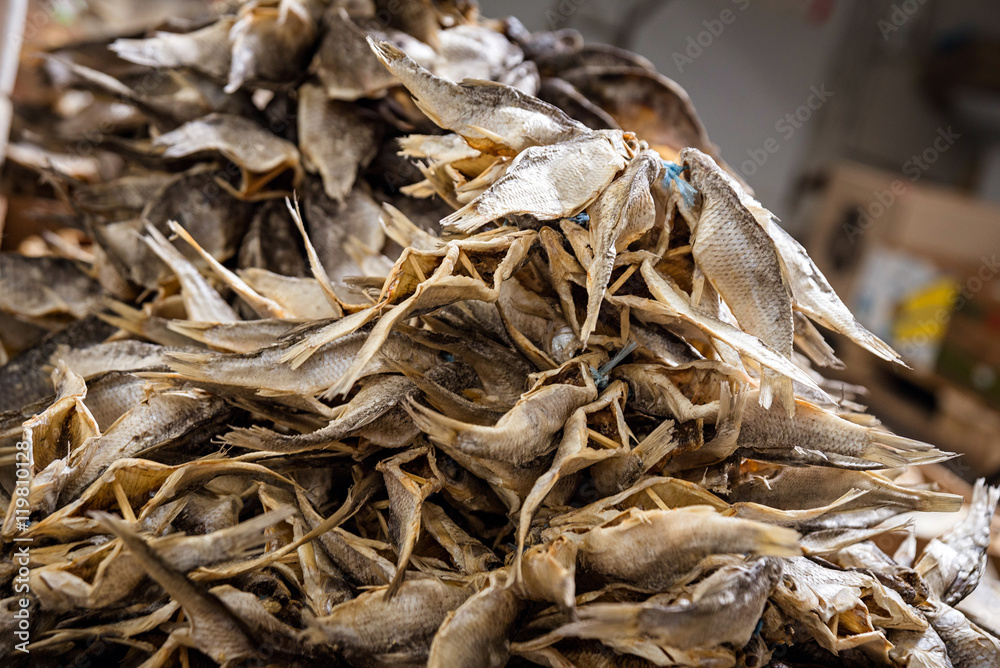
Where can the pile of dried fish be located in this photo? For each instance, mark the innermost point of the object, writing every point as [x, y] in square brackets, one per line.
[321, 355]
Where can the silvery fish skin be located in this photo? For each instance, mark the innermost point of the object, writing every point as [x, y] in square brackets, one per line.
[919, 649]
[953, 564]
[755, 288]
[619, 216]
[335, 139]
[629, 548]
[374, 630]
[968, 645]
[722, 608]
[491, 117]
[523, 434]
[264, 369]
[817, 429]
[477, 632]
[796, 487]
[544, 181]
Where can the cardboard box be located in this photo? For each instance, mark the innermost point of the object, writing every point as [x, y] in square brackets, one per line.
[866, 207]
[906, 300]
[970, 350]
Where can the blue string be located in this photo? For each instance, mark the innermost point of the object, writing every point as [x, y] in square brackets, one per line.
[672, 179]
[601, 376]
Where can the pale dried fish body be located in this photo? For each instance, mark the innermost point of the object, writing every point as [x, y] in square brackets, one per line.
[756, 289]
[336, 140]
[803, 486]
[41, 287]
[548, 182]
[522, 435]
[373, 628]
[492, 117]
[953, 564]
[629, 549]
[265, 370]
[477, 632]
[258, 154]
[270, 45]
[722, 609]
[619, 216]
[206, 49]
[345, 64]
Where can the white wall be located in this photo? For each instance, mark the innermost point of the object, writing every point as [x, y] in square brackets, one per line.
[758, 69]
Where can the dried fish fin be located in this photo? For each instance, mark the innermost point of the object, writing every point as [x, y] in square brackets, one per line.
[812, 343]
[201, 301]
[407, 494]
[318, 272]
[746, 344]
[265, 307]
[817, 299]
[214, 629]
[400, 229]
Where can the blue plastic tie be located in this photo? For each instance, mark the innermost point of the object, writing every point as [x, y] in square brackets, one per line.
[673, 180]
[602, 376]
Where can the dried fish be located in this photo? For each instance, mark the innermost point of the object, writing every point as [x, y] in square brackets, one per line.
[628, 547]
[953, 564]
[492, 117]
[442, 374]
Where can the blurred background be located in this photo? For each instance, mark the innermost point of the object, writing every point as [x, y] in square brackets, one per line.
[872, 129]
